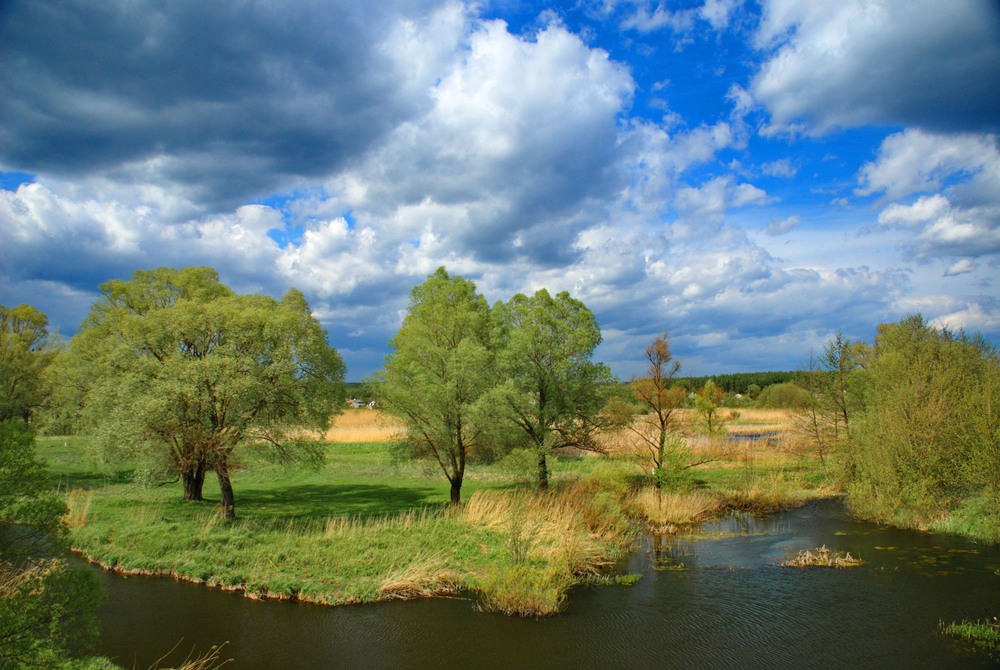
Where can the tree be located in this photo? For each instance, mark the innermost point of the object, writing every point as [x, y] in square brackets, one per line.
[553, 392]
[187, 371]
[928, 437]
[23, 358]
[47, 609]
[653, 422]
[707, 403]
[833, 394]
[440, 368]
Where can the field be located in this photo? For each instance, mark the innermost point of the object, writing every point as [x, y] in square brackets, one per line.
[372, 525]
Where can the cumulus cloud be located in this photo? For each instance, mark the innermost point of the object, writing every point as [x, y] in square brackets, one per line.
[842, 63]
[349, 149]
[227, 103]
[957, 211]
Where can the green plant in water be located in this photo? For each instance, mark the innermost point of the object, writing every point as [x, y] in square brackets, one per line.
[984, 633]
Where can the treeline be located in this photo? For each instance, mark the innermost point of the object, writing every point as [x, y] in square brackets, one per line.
[743, 383]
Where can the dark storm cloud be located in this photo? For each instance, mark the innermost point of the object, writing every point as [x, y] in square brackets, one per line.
[229, 98]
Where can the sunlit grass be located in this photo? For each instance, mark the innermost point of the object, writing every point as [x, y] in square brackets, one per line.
[364, 425]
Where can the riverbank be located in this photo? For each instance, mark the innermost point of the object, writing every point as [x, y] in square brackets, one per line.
[369, 527]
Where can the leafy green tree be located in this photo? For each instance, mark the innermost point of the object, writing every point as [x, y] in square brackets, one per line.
[553, 392]
[707, 403]
[186, 371]
[441, 366]
[23, 358]
[47, 609]
[928, 437]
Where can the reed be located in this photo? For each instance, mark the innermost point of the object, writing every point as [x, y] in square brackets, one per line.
[78, 507]
[665, 511]
[984, 633]
[822, 558]
[364, 425]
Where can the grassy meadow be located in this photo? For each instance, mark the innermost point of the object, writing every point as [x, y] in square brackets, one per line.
[371, 525]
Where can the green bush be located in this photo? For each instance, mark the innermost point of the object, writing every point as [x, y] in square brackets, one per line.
[786, 395]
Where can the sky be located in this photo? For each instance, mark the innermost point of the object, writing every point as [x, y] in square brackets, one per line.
[750, 177]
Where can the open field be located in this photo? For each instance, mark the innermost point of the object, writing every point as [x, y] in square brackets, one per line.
[369, 525]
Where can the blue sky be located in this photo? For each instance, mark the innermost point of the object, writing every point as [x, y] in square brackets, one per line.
[751, 177]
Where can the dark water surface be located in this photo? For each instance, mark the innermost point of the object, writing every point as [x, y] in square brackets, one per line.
[731, 606]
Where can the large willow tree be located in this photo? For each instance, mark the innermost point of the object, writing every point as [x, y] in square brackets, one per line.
[183, 369]
[441, 366]
[553, 392]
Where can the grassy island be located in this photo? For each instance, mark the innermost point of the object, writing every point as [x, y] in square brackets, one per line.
[369, 526]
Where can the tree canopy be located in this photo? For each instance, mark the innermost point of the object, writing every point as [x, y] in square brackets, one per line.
[441, 366]
[23, 358]
[927, 439]
[552, 392]
[181, 368]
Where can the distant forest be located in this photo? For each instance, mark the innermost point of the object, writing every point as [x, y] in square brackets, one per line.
[739, 382]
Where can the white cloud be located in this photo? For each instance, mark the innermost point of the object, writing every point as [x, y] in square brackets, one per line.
[962, 218]
[915, 161]
[783, 226]
[844, 63]
[964, 266]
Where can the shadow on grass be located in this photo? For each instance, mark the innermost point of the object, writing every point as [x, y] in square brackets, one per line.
[326, 500]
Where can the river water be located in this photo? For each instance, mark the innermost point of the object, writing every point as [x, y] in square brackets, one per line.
[731, 605]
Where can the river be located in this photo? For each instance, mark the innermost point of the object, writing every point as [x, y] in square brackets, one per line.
[730, 606]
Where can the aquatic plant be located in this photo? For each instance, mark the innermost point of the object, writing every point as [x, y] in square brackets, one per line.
[823, 558]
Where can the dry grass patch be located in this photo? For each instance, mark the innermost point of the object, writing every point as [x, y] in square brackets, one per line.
[363, 425]
[822, 558]
[665, 511]
[78, 506]
[425, 577]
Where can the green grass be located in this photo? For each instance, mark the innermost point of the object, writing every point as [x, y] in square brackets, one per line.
[985, 634]
[369, 526]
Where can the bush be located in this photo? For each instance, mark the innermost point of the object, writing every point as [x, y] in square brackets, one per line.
[782, 396]
[926, 443]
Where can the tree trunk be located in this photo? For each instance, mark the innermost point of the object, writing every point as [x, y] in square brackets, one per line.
[456, 490]
[194, 481]
[543, 472]
[226, 489]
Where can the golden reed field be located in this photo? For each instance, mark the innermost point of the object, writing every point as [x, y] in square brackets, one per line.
[372, 425]
[363, 425]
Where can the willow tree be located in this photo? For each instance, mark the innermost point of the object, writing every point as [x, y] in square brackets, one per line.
[23, 358]
[186, 370]
[553, 392]
[438, 372]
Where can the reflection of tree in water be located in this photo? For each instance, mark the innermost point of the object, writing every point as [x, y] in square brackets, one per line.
[665, 553]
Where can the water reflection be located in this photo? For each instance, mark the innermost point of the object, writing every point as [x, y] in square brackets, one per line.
[730, 605]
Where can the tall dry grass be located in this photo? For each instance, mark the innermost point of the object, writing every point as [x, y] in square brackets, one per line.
[78, 507]
[551, 539]
[666, 511]
[364, 425]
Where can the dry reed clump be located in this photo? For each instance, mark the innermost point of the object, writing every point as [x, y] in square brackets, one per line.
[364, 425]
[78, 507]
[822, 557]
[666, 511]
[551, 538]
[210, 660]
[424, 577]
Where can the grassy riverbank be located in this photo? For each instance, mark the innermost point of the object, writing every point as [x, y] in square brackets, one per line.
[368, 526]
